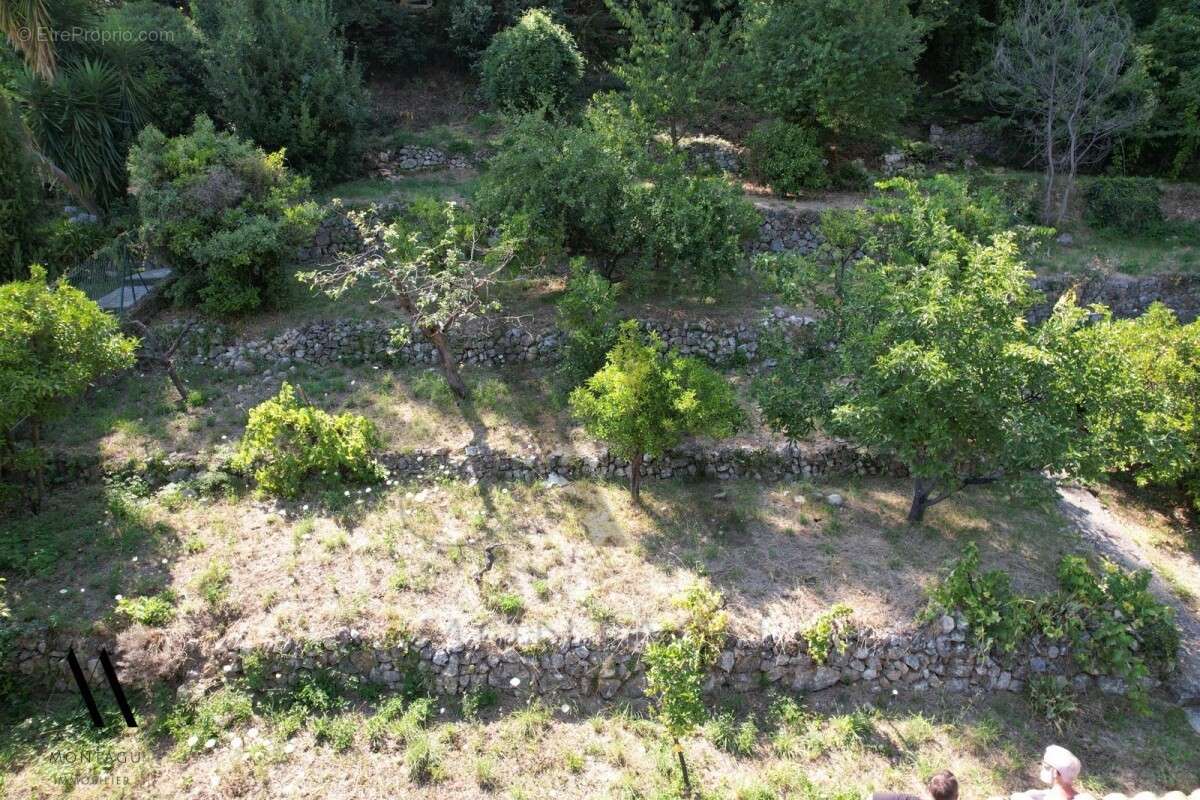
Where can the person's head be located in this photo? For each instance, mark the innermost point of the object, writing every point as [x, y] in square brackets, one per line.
[1059, 766]
[943, 786]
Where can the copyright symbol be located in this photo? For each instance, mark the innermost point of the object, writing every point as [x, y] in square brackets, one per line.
[24, 35]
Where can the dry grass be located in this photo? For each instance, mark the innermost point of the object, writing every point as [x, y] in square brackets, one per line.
[580, 559]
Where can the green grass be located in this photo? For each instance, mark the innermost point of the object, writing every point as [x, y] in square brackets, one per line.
[1175, 249]
[822, 748]
[364, 191]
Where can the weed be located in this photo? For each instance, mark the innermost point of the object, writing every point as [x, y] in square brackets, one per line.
[213, 584]
[477, 700]
[422, 760]
[155, 611]
[1052, 698]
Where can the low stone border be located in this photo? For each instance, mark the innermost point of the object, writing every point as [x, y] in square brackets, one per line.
[937, 657]
[414, 158]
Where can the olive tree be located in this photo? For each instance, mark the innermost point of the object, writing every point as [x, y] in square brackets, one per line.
[924, 354]
[54, 343]
[435, 266]
[1069, 73]
[645, 400]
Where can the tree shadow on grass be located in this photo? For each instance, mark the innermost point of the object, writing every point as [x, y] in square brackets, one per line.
[781, 552]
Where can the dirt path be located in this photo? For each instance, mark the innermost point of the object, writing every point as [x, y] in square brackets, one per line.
[1107, 532]
[818, 203]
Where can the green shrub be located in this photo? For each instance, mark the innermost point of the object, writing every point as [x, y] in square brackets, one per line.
[646, 399]
[287, 442]
[63, 243]
[385, 35]
[227, 215]
[1114, 624]
[566, 185]
[281, 78]
[20, 198]
[851, 176]
[995, 615]
[1156, 438]
[534, 64]
[786, 157]
[154, 610]
[587, 314]
[594, 189]
[54, 343]
[469, 23]
[690, 228]
[846, 65]
[1128, 205]
[828, 633]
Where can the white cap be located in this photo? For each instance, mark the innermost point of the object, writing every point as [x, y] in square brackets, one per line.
[1063, 761]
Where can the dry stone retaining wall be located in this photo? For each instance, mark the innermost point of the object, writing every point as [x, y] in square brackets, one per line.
[1126, 295]
[719, 462]
[781, 229]
[370, 341]
[938, 658]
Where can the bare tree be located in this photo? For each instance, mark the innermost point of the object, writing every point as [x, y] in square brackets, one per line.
[1069, 74]
[438, 269]
[159, 354]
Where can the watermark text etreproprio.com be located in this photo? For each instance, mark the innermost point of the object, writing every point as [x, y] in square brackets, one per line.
[91, 35]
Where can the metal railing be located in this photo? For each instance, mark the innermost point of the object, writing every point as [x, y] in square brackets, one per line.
[116, 277]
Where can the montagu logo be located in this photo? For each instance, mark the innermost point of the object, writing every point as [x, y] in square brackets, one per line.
[114, 683]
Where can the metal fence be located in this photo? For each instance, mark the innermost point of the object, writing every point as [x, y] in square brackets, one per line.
[117, 277]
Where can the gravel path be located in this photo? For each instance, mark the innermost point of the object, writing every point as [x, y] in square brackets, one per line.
[1107, 532]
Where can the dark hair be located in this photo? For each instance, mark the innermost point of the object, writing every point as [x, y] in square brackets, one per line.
[944, 786]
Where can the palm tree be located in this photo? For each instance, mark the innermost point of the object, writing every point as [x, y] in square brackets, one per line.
[25, 23]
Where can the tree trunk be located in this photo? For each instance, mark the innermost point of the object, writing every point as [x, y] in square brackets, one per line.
[449, 366]
[635, 478]
[39, 469]
[920, 500]
[683, 770]
[175, 379]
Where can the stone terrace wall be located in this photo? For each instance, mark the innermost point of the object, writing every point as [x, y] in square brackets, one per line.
[370, 342]
[1126, 295]
[721, 462]
[781, 229]
[937, 658]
